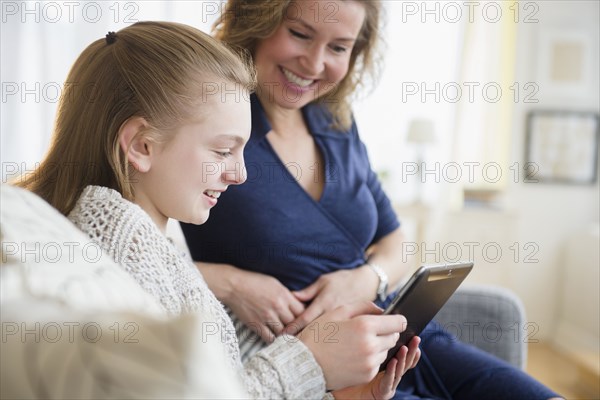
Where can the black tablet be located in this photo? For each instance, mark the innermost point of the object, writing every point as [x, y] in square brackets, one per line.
[423, 296]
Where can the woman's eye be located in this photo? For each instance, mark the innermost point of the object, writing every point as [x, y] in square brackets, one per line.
[339, 49]
[299, 34]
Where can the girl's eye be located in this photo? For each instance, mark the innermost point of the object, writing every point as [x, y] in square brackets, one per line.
[224, 153]
[299, 34]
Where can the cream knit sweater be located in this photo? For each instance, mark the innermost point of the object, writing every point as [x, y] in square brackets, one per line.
[285, 369]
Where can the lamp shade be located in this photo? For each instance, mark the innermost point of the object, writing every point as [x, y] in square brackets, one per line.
[420, 131]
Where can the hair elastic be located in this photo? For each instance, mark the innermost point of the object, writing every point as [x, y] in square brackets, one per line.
[111, 37]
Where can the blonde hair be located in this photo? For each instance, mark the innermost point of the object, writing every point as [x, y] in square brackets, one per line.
[244, 24]
[154, 70]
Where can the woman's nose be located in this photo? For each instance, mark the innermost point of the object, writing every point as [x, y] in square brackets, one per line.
[313, 60]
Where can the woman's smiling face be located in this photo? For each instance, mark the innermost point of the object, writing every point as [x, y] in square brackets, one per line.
[309, 53]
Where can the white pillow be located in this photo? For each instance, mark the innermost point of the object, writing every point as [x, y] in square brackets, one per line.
[75, 325]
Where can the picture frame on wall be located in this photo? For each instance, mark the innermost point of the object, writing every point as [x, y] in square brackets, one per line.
[565, 63]
[562, 146]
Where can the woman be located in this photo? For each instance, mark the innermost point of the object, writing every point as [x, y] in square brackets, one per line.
[156, 141]
[288, 134]
[311, 229]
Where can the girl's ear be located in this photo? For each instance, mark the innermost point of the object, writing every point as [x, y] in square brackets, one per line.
[135, 145]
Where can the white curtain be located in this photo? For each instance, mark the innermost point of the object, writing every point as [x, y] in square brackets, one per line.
[484, 115]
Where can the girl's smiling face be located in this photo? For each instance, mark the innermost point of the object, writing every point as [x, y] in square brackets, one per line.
[189, 172]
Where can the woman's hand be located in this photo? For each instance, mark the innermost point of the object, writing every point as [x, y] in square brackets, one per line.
[334, 290]
[263, 303]
[344, 286]
[351, 342]
[384, 385]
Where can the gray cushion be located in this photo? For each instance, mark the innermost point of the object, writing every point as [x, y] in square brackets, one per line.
[491, 318]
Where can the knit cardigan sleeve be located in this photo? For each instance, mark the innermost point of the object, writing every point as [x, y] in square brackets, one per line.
[289, 367]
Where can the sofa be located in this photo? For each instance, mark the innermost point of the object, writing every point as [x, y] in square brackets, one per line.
[75, 325]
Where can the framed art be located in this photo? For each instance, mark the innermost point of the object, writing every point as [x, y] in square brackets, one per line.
[562, 146]
[565, 62]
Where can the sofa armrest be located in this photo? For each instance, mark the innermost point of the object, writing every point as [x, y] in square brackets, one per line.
[490, 318]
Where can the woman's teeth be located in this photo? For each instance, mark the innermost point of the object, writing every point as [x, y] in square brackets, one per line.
[296, 79]
[213, 194]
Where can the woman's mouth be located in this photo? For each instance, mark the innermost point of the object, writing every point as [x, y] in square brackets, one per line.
[297, 80]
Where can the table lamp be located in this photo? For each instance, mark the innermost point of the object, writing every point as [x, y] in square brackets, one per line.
[420, 133]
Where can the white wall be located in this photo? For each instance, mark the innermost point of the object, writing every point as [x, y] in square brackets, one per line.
[550, 214]
[536, 220]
